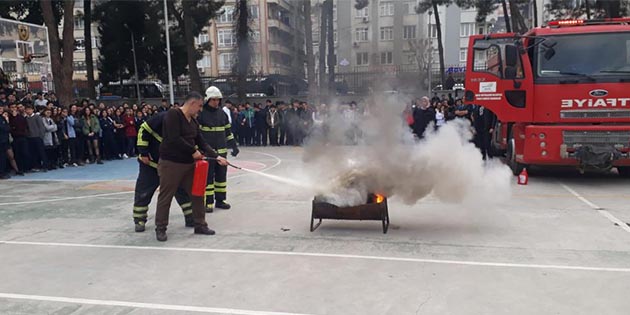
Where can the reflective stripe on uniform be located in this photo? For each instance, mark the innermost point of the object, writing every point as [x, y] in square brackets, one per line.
[220, 187]
[209, 193]
[230, 137]
[204, 128]
[187, 212]
[151, 131]
[221, 151]
[186, 205]
[140, 209]
[228, 126]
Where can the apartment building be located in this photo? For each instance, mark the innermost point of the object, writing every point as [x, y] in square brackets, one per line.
[80, 69]
[278, 48]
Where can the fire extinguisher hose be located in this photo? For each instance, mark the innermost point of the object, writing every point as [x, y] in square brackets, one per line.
[230, 164]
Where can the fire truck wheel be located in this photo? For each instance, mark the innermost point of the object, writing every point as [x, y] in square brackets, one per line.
[624, 171]
[515, 166]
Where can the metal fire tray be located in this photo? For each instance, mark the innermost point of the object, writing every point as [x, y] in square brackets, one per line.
[371, 211]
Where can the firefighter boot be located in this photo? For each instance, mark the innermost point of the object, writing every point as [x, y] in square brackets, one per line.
[140, 226]
[160, 234]
[210, 208]
[204, 230]
[223, 205]
[190, 222]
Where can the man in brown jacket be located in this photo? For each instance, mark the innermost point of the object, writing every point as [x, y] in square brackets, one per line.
[178, 152]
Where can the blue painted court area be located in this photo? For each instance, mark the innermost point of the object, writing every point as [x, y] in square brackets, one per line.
[110, 170]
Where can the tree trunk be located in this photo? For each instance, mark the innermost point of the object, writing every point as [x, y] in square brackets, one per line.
[438, 27]
[193, 72]
[506, 16]
[244, 52]
[518, 21]
[322, 53]
[89, 63]
[310, 59]
[330, 35]
[61, 65]
[587, 6]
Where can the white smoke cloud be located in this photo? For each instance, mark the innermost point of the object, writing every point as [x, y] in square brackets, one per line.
[387, 160]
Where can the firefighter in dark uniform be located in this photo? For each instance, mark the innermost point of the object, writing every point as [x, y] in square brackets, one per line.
[484, 122]
[149, 139]
[217, 132]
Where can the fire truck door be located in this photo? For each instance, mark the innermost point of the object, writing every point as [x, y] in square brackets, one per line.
[500, 78]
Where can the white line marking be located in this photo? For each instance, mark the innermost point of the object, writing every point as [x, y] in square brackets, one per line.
[62, 199]
[278, 162]
[305, 254]
[171, 307]
[599, 209]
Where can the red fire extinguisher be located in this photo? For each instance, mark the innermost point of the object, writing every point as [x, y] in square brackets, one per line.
[199, 178]
[523, 177]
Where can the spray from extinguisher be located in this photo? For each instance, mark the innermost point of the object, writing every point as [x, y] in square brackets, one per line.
[523, 177]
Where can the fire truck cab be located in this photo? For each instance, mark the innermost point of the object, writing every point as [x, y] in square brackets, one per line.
[561, 93]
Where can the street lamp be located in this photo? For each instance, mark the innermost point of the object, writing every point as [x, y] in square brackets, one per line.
[135, 64]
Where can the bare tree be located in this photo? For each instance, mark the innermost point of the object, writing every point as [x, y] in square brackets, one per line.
[330, 36]
[243, 59]
[61, 49]
[322, 51]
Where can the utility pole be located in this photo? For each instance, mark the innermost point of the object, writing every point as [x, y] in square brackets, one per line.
[135, 65]
[168, 56]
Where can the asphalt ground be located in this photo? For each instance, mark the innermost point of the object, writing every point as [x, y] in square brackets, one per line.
[560, 245]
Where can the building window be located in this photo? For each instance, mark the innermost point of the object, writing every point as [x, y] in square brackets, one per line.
[96, 42]
[255, 36]
[79, 43]
[334, 12]
[363, 13]
[253, 12]
[79, 66]
[466, 29]
[432, 31]
[409, 8]
[33, 68]
[227, 16]
[78, 3]
[361, 34]
[387, 33]
[202, 38]
[481, 30]
[204, 62]
[362, 59]
[78, 22]
[463, 53]
[335, 36]
[409, 32]
[386, 9]
[387, 58]
[226, 60]
[226, 38]
[24, 48]
[9, 66]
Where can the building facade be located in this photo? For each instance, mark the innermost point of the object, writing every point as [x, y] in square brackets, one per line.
[277, 40]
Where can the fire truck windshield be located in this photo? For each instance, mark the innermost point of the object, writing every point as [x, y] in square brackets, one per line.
[586, 57]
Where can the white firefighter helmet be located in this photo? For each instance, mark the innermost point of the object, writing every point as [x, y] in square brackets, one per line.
[213, 92]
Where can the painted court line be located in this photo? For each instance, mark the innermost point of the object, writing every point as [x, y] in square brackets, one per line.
[599, 209]
[342, 256]
[170, 307]
[62, 199]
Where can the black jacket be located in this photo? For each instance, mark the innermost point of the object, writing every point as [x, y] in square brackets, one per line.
[421, 120]
[5, 130]
[216, 129]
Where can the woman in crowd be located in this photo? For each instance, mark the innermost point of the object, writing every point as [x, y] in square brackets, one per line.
[130, 132]
[91, 129]
[107, 136]
[50, 140]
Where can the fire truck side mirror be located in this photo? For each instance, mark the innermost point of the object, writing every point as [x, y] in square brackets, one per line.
[511, 56]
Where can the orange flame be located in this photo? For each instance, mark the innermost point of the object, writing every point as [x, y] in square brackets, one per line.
[379, 198]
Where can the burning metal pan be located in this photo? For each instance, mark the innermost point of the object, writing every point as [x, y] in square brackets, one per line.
[375, 209]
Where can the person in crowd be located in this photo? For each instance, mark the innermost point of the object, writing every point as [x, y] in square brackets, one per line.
[273, 121]
[130, 132]
[19, 133]
[247, 124]
[423, 116]
[91, 129]
[36, 131]
[5, 132]
[260, 121]
[283, 126]
[108, 130]
[50, 140]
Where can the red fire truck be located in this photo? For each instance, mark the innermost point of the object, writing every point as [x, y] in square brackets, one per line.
[561, 93]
